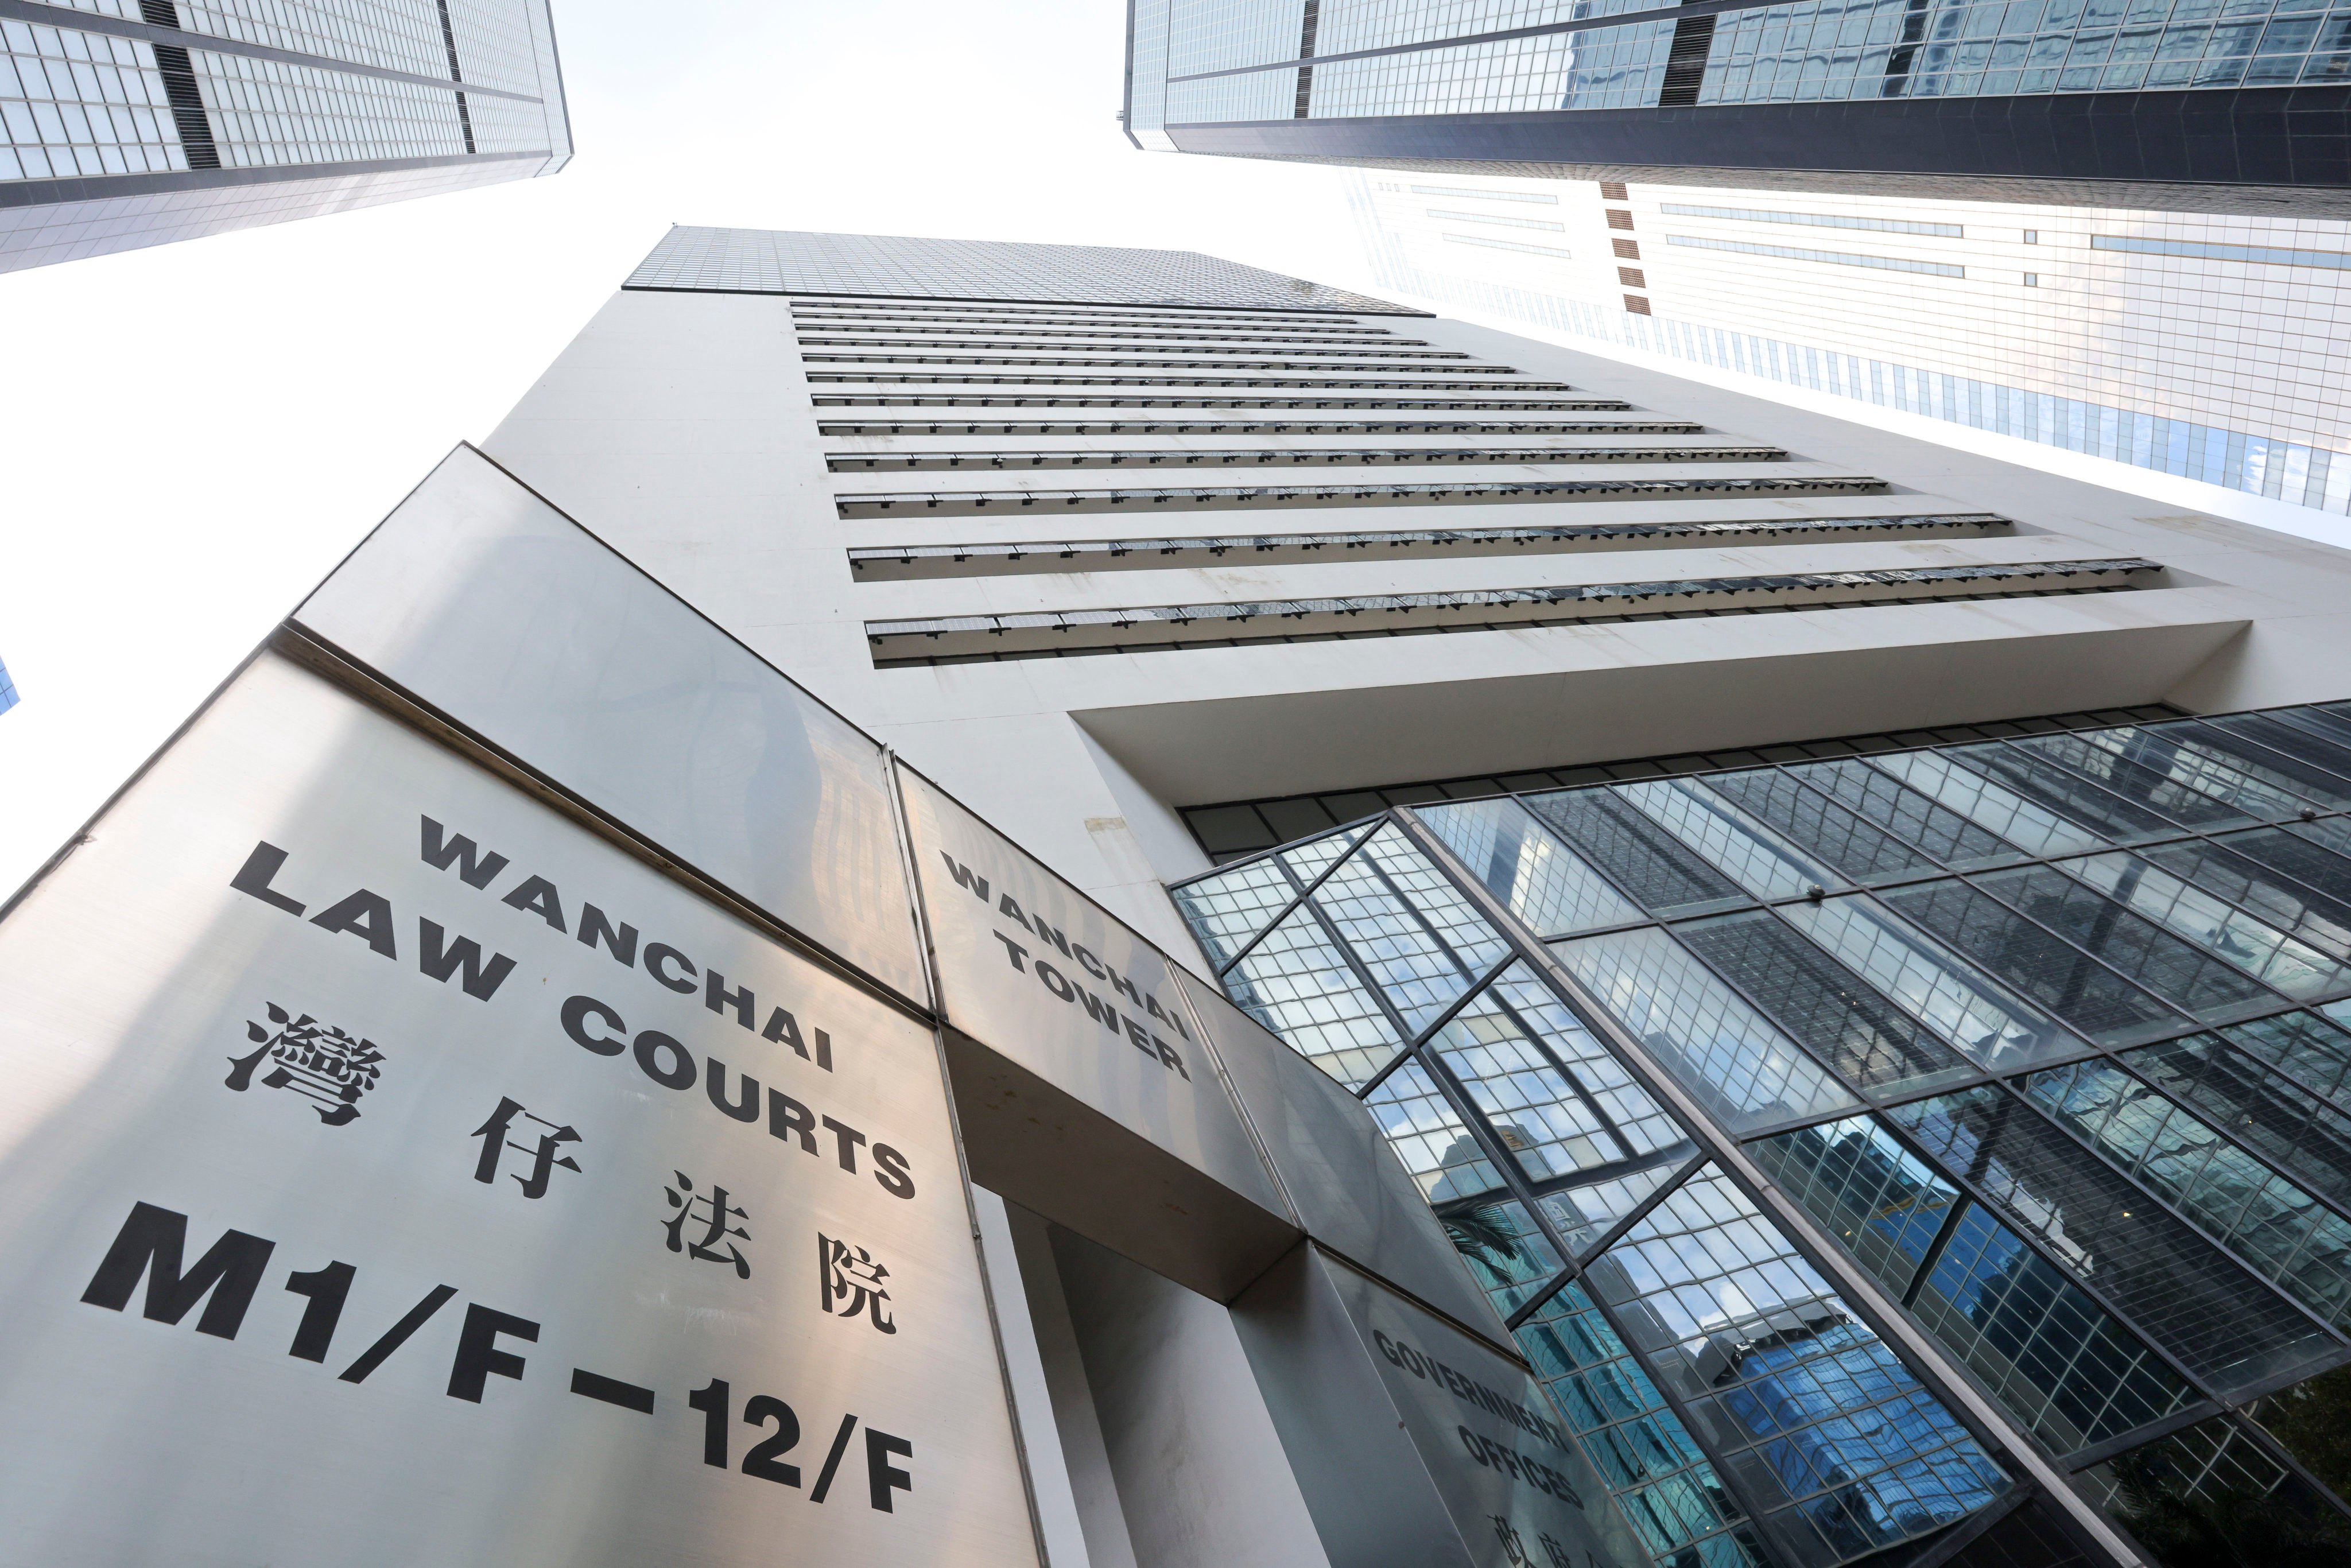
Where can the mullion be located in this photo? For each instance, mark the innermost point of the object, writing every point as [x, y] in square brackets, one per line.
[1427, 927]
[2034, 1242]
[1713, 1145]
[1578, 1262]
[2254, 915]
[2161, 1000]
[2193, 722]
[2293, 883]
[1591, 1104]
[2332, 1102]
[2151, 809]
[1975, 1526]
[1296, 898]
[1787, 770]
[2226, 1249]
[1347, 956]
[1933, 1255]
[2341, 1207]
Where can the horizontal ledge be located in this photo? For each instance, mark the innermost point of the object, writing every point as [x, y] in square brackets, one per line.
[953, 502]
[1179, 457]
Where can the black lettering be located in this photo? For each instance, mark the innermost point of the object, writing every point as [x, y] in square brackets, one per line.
[1168, 1054]
[1473, 1443]
[824, 1050]
[326, 1288]
[712, 1400]
[1011, 906]
[1037, 923]
[965, 877]
[714, 1082]
[890, 1170]
[1152, 1002]
[660, 953]
[578, 1011]
[478, 1354]
[481, 981]
[365, 915]
[151, 1242]
[1126, 987]
[461, 849]
[762, 1461]
[1101, 1011]
[621, 941]
[788, 1118]
[1139, 1038]
[254, 877]
[881, 1478]
[1088, 962]
[718, 999]
[1054, 981]
[1387, 1347]
[538, 896]
[1012, 950]
[846, 1139]
[678, 1074]
[786, 1028]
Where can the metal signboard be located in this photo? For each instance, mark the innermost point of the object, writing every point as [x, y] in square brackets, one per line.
[1077, 1061]
[480, 599]
[394, 1172]
[1415, 1442]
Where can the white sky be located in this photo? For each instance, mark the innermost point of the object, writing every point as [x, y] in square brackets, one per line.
[191, 435]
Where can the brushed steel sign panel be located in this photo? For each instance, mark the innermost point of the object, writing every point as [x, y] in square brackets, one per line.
[489, 604]
[1079, 1061]
[394, 1172]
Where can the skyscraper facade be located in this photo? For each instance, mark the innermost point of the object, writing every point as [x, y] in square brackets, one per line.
[2189, 104]
[124, 125]
[1874, 1049]
[2197, 345]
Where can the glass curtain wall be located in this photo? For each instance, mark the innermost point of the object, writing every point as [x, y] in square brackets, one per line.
[2049, 1036]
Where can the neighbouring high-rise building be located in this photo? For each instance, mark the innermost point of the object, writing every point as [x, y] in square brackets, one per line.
[1334, 937]
[2198, 345]
[2192, 104]
[125, 124]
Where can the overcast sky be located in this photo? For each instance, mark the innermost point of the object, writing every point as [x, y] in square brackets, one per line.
[193, 435]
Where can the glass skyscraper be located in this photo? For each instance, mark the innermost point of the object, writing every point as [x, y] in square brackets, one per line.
[2226, 105]
[134, 122]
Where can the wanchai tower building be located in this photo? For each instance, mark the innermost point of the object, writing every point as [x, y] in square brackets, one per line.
[1092, 907]
[135, 122]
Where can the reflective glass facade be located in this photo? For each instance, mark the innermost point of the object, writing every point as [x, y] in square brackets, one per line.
[1774, 1102]
[1503, 84]
[8, 690]
[166, 113]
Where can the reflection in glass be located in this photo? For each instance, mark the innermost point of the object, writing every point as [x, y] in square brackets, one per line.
[1226, 911]
[1990, 1024]
[2172, 767]
[1660, 872]
[2064, 792]
[1841, 838]
[1832, 1012]
[1300, 986]
[2092, 998]
[1936, 830]
[2064, 1367]
[1587, 1212]
[1420, 939]
[1728, 838]
[1508, 1253]
[2291, 766]
[1422, 1127]
[2295, 968]
[2029, 825]
[2277, 877]
[1812, 1409]
[1660, 1476]
[2259, 1106]
[1743, 1069]
[2281, 1232]
[2169, 1282]
[1548, 886]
